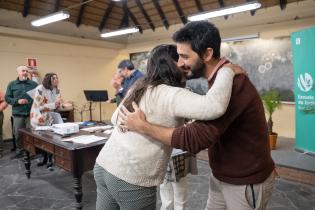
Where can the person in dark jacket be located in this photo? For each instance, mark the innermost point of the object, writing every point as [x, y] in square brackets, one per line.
[16, 95]
[125, 77]
[239, 155]
[127, 70]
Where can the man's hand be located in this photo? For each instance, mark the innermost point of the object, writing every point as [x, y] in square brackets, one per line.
[134, 121]
[236, 68]
[22, 101]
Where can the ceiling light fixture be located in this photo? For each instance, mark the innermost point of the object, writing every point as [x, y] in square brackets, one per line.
[120, 32]
[225, 11]
[57, 16]
[50, 18]
[240, 38]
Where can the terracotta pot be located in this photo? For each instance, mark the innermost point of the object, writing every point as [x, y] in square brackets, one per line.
[273, 140]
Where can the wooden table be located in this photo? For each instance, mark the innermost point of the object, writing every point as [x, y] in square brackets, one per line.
[72, 157]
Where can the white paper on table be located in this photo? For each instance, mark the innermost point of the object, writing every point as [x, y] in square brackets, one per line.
[57, 119]
[85, 139]
[43, 128]
[108, 132]
[96, 128]
[31, 93]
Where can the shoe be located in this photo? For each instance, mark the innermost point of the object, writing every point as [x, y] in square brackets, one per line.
[50, 168]
[44, 161]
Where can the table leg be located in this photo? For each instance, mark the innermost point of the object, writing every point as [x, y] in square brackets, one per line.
[27, 163]
[78, 192]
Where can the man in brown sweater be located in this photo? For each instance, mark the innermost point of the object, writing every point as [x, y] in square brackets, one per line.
[239, 155]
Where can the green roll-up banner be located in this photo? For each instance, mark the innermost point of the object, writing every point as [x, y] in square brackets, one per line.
[303, 52]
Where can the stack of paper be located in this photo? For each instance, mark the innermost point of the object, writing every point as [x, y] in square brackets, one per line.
[85, 139]
[96, 128]
[108, 132]
[43, 128]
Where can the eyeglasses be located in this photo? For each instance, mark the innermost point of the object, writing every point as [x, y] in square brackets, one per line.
[54, 78]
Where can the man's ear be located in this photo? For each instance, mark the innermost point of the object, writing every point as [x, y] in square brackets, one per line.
[207, 56]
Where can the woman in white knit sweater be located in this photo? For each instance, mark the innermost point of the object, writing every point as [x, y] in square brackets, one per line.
[131, 165]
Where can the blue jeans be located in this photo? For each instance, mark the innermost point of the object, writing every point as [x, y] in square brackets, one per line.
[114, 193]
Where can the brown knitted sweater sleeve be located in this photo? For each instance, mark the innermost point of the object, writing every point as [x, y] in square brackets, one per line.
[200, 135]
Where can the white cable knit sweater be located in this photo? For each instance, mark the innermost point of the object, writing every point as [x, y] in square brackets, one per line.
[139, 159]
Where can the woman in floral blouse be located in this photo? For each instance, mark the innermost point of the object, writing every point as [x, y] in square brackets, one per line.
[46, 100]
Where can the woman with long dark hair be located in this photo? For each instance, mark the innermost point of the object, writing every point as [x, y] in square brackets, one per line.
[131, 165]
[46, 100]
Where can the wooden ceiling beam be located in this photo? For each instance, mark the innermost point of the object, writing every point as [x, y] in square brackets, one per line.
[26, 8]
[56, 5]
[106, 15]
[180, 12]
[145, 14]
[161, 13]
[283, 4]
[252, 12]
[222, 5]
[134, 20]
[79, 19]
[125, 19]
[199, 6]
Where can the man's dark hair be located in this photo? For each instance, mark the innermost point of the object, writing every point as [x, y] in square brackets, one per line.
[161, 69]
[200, 35]
[47, 80]
[126, 64]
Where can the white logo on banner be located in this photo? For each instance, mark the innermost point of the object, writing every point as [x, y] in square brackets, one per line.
[305, 82]
[298, 41]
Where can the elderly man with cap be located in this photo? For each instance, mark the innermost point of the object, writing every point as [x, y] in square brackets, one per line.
[16, 95]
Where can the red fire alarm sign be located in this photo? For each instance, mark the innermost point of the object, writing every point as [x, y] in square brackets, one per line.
[32, 63]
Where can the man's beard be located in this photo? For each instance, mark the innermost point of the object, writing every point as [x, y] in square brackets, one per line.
[197, 70]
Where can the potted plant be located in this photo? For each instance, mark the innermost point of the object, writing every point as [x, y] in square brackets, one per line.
[271, 101]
